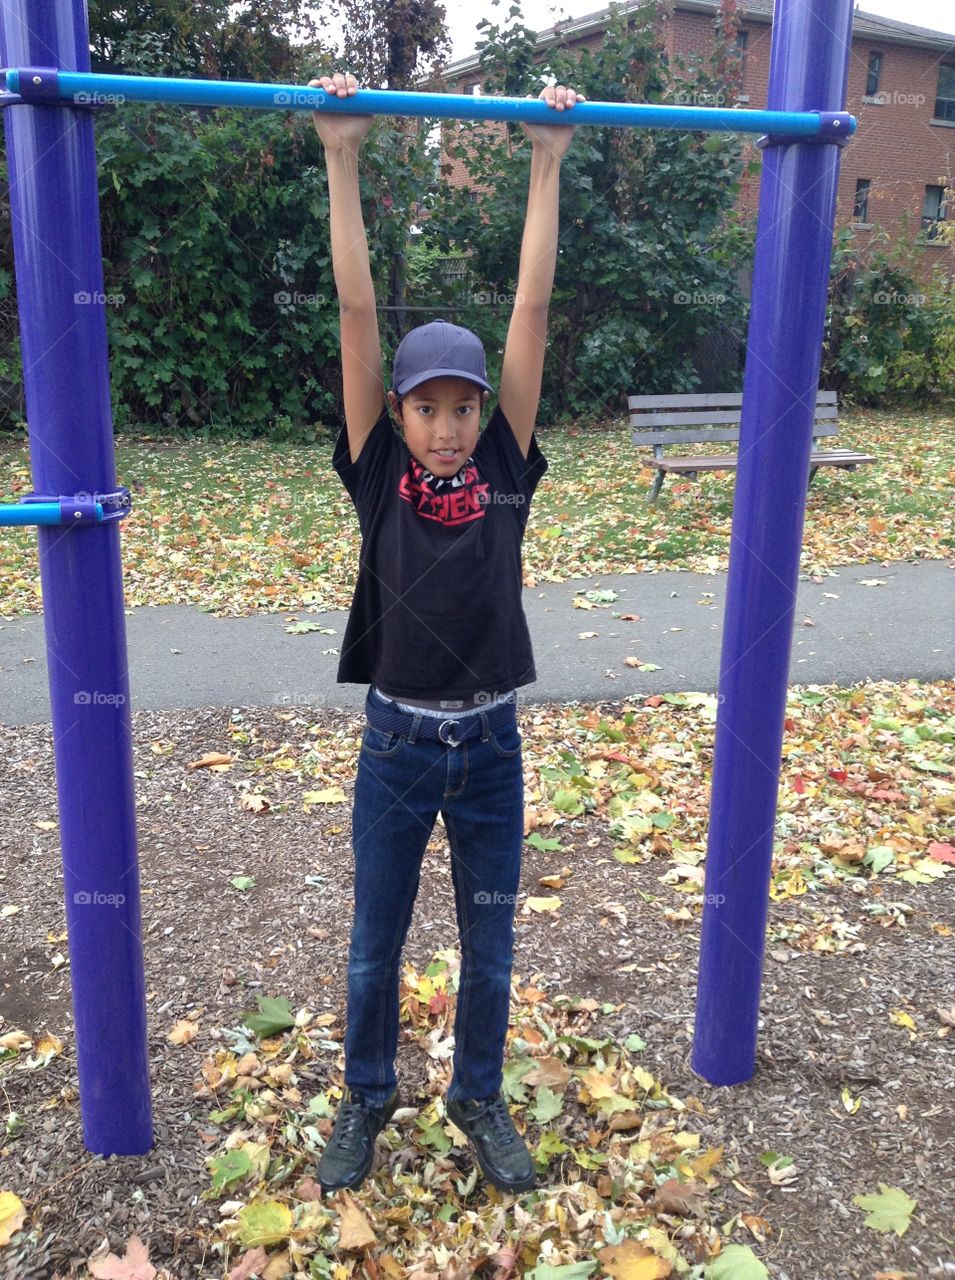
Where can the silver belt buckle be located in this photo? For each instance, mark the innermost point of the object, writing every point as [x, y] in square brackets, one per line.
[450, 742]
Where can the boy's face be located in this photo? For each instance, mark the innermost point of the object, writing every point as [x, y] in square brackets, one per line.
[441, 419]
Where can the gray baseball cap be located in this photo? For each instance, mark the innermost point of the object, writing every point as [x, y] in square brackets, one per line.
[435, 350]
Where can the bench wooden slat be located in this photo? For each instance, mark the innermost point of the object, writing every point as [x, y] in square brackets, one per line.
[711, 399]
[730, 461]
[716, 434]
[664, 421]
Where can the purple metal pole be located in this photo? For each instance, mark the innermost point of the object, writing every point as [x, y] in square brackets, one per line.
[59, 272]
[808, 68]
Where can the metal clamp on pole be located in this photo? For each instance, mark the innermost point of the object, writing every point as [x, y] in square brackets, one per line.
[834, 127]
[67, 509]
[39, 87]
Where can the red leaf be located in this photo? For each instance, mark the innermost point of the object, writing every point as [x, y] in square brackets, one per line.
[941, 852]
[798, 785]
[789, 724]
[249, 1264]
[838, 775]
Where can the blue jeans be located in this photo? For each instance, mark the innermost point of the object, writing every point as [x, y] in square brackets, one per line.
[402, 782]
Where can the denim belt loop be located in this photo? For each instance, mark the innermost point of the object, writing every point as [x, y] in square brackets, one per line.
[485, 731]
[412, 736]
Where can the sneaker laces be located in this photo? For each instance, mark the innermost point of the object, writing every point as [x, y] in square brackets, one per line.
[350, 1118]
[500, 1120]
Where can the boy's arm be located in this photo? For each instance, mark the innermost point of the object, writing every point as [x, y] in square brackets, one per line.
[362, 384]
[523, 366]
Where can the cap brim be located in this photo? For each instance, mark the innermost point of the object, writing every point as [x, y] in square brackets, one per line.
[409, 384]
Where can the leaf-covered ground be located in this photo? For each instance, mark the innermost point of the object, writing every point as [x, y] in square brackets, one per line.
[237, 528]
[832, 1162]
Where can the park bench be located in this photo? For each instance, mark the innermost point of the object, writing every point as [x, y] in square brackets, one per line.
[661, 421]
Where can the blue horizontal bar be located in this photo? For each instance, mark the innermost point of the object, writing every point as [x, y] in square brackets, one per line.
[91, 87]
[28, 513]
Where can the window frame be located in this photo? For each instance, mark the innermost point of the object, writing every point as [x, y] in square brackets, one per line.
[860, 212]
[945, 112]
[879, 57]
[930, 224]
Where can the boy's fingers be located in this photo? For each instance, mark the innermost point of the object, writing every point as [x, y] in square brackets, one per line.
[560, 96]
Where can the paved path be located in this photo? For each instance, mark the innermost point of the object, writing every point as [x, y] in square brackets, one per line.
[181, 657]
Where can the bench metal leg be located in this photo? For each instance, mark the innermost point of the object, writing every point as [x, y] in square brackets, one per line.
[658, 480]
[812, 472]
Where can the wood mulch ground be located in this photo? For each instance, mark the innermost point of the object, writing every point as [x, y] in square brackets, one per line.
[825, 1017]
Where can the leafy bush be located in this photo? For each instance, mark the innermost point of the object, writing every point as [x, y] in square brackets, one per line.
[215, 235]
[890, 330]
[648, 255]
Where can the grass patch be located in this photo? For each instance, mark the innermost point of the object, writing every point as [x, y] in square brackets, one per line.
[253, 526]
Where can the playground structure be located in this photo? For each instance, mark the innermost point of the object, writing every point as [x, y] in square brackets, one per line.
[76, 504]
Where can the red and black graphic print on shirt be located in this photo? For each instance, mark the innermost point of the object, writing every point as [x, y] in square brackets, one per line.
[451, 501]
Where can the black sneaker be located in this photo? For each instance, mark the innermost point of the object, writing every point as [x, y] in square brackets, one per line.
[350, 1150]
[500, 1149]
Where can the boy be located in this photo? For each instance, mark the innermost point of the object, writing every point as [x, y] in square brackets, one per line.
[438, 633]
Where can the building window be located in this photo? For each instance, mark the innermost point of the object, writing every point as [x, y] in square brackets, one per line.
[860, 208]
[945, 95]
[873, 74]
[933, 211]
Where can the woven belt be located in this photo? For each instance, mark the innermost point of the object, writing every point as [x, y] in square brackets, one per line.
[451, 731]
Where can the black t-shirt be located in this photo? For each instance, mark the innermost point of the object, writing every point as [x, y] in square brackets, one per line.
[437, 607]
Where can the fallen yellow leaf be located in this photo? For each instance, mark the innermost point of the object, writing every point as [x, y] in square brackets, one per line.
[901, 1019]
[210, 760]
[183, 1032]
[631, 1261]
[15, 1040]
[12, 1216]
[355, 1231]
[542, 904]
[48, 1046]
[328, 795]
[255, 803]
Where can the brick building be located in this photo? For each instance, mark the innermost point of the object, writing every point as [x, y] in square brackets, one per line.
[900, 161]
